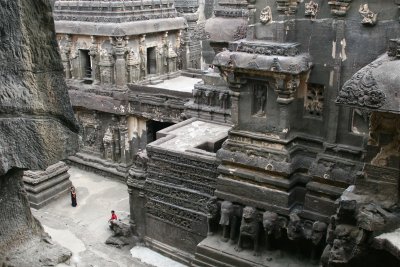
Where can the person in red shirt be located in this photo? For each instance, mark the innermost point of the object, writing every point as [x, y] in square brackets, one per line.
[113, 216]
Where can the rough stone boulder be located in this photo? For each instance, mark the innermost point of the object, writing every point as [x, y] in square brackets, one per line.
[37, 126]
[122, 235]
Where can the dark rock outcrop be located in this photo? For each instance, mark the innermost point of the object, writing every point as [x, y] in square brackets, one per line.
[37, 126]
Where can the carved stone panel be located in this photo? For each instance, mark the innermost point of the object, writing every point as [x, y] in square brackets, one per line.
[314, 100]
[259, 99]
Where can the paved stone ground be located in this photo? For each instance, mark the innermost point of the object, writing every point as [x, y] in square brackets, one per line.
[84, 229]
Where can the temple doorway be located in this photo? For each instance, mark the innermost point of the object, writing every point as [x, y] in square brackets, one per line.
[151, 60]
[153, 127]
[86, 64]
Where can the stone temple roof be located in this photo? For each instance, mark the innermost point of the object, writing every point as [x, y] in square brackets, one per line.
[266, 56]
[115, 17]
[377, 85]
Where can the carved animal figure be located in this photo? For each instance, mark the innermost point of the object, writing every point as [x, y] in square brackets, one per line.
[230, 216]
[318, 239]
[249, 228]
[212, 214]
[295, 227]
[273, 225]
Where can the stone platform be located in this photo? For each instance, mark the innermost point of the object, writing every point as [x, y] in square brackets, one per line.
[212, 252]
[44, 186]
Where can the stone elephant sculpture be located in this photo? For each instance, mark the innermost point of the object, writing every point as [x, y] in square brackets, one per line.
[273, 226]
[230, 219]
[249, 228]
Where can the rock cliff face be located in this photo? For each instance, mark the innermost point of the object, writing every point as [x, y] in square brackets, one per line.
[37, 126]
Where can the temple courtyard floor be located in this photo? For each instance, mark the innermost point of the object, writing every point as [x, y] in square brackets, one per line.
[84, 229]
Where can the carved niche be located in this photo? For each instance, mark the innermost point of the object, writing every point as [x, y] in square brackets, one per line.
[314, 100]
[259, 100]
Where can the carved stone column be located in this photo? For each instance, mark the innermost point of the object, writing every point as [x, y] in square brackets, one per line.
[143, 56]
[106, 67]
[65, 56]
[252, 19]
[137, 201]
[120, 65]
[125, 158]
[94, 58]
[133, 67]
[285, 90]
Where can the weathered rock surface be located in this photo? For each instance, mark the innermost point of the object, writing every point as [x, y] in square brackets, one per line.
[37, 127]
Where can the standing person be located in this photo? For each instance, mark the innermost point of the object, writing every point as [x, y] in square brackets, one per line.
[73, 197]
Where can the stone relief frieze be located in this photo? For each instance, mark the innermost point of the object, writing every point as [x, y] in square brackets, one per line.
[287, 6]
[362, 89]
[339, 7]
[314, 100]
[268, 49]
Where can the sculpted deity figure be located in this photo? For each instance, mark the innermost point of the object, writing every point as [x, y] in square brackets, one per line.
[266, 15]
[369, 17]
[311, 9]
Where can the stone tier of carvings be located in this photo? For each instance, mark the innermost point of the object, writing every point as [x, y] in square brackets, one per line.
[112, 12]
[287, 6]
[233, 13]
[339, 7]
[266, 48]
[182, 197]
[212, 96]
[44, 186]
[178, 216]
[186, 6]
[238, 223]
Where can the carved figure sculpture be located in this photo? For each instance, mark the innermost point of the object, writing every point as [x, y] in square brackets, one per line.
[295, 227]
[265, 15]
[318, 239]
[230, 216]
[311, 9]
[249, 228]
[369, 17]
[273, 225]
[344, 248]
[212, 214]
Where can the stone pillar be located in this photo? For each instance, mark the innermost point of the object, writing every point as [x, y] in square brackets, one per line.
[65, 56]
[192, 48]
[94, 58]
[120, 65]
[126, 158]
[252, 20]
[171, 59]
[137, 201]
[106, 67]
[143, 57]
[133, 67]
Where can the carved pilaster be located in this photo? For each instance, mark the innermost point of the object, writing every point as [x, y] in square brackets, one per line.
[143, 56]
[65, 56]
[94, 58]
[120, 66]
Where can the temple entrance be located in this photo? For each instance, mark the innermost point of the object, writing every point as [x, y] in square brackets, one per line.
[153, 127]
[86, 64]
[151, 60]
